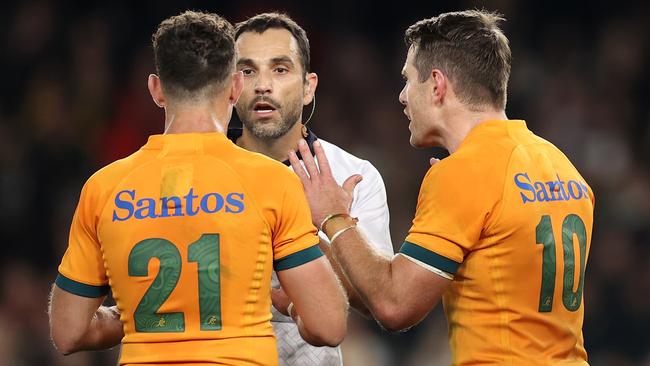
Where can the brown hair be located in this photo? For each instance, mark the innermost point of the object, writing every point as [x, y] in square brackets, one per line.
[470, 49]
[194, 53]
[261, 22]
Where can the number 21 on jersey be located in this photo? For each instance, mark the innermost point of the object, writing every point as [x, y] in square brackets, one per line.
[205, 252]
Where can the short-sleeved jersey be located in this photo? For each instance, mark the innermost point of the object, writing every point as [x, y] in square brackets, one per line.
[186, 231]
[509, 219]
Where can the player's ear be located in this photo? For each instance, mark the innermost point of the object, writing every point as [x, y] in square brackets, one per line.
[311, 82]
[237, 87]
[439, 84]
[156, 91]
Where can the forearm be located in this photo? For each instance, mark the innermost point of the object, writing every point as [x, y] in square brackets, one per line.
[105, 330]
[398, 292]
[353, 297]
[323, 321]
[314, 339]
[368, 272]
[319, 303]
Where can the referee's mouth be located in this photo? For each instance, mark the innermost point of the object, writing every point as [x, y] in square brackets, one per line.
[264, 109]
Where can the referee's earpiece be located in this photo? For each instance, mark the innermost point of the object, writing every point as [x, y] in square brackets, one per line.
[313, 108]
[313, 104]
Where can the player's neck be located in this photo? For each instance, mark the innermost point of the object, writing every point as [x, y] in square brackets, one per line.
[462, 123]
[195, 119]
[278, 148]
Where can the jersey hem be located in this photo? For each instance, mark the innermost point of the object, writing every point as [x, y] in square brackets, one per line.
[430, 258]
[80, 289]
[432, 269]
[298, 258]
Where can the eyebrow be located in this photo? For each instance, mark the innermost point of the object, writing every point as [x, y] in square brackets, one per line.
[282, 60]
[245, 61]
[275, 60]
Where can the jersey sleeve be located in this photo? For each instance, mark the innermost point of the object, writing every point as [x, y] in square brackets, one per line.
[82, 271]
[294, 241]
[449, 218]
[371, 207]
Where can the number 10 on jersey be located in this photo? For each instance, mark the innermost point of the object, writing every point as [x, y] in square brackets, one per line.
[572, 225]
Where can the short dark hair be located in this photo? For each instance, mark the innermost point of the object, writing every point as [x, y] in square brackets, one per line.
[261, 22]
[470, 48]
[192, 51]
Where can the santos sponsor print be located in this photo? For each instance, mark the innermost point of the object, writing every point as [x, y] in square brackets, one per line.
[556, 190]
[129, 205]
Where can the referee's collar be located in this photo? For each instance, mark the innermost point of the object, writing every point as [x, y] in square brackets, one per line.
[234, 133]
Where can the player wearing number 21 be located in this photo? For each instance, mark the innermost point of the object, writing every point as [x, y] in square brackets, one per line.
[187, 230]
[502, 227]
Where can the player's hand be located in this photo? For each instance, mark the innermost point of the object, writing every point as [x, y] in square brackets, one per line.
[325, 196]
[280, 300]
[434, 161]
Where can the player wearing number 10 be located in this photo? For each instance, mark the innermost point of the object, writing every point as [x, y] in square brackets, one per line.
[503, 225]
[188, 229]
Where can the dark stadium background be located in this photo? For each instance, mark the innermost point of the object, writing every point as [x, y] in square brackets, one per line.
[74, 98]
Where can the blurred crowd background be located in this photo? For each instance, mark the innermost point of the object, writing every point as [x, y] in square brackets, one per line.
[74, 98]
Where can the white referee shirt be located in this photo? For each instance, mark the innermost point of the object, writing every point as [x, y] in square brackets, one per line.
[371, 208]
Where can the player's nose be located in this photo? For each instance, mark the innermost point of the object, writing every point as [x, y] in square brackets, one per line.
[402, 96]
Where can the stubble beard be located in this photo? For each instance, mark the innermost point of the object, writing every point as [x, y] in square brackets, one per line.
[275, 129]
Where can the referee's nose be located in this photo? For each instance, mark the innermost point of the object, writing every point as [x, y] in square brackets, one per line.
[263, 84]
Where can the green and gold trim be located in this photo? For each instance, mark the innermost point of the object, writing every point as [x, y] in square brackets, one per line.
[426, 256]
[79, 288]
[298, 258]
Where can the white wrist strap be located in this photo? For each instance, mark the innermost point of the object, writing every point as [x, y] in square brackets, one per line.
[338, 233]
